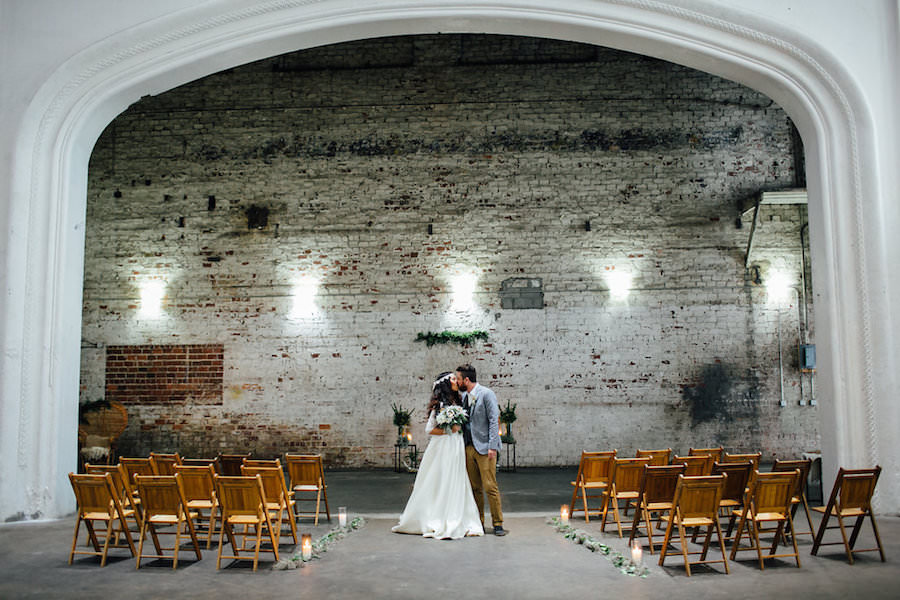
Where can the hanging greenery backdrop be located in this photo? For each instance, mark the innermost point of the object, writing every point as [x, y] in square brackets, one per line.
[447, 337]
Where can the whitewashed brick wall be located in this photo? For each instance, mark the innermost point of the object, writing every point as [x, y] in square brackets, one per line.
[506, 147]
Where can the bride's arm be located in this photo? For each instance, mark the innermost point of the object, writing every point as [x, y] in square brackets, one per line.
[431, 428]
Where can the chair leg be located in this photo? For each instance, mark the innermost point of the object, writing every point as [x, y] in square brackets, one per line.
[318, 499]
[847, 547]
[666, 537]
[684, 552]
[820, 533]
[794, 540]
[325, 500]
[722, 547]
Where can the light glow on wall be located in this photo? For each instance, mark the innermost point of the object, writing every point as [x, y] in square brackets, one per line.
[778, 287]
[304, 297]
[462, 290]
[619, 284]
[152, 293]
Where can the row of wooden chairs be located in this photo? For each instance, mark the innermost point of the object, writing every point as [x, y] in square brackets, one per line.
[740, 492]
[156, 491]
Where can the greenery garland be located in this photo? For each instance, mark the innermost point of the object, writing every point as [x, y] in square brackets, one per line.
[448, 337]
[624, 564]
[320, 546]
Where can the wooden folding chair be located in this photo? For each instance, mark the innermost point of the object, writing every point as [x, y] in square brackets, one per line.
[164, 464]
[591, 481]
[753, 457]
[624, 484]
[308, 477]
[229, 465]
[278, 499]
[696, 504]
[769, 501]
[165, 505]
[658, 458]
[200, 492]
[656, 495]
[698, 465]
[130, 501]
[716, 453]
[799, 496]
[735, 491]
[850, 497]
[98, 502]
[136, 466]
[243, 504]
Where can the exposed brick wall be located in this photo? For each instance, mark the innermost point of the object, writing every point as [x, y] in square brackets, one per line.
[386, 167]
[147, 374]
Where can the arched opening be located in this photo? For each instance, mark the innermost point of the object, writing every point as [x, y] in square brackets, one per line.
[82, 98]
[292, 226]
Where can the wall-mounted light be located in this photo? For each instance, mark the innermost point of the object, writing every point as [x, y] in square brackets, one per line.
[304, 297]
[152, 293]
[462, 290]
[619, 284]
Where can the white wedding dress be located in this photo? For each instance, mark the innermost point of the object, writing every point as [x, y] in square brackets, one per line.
[441, 504]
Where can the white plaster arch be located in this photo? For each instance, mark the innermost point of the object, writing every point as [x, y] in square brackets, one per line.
[42, 314]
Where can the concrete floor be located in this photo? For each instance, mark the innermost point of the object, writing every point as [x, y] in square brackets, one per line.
[533, 561]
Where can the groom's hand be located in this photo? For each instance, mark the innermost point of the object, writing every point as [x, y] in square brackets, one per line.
[492, 454]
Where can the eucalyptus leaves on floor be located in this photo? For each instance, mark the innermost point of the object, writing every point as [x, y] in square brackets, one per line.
[320, 546]
[621, 562]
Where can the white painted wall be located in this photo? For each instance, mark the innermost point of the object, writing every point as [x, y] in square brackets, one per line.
[68, 68]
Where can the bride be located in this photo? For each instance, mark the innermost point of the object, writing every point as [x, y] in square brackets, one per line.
[441, 504]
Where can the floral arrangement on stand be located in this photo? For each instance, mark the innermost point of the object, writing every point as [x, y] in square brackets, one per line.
[621, 562]
[402, 418]
[320, 546]
[508, 417]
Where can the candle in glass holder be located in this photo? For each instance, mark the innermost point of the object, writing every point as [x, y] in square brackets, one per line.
[564, 514]
[342, 516]
[637, 552]
[306, 546]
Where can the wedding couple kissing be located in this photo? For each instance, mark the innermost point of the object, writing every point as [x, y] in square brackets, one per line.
[459, 466]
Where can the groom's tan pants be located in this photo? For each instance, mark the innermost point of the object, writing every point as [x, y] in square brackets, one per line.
[482, 472]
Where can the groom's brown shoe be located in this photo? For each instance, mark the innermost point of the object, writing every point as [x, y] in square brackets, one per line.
[498, 530]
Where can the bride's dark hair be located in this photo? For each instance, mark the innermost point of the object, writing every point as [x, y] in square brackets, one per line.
[442, 393]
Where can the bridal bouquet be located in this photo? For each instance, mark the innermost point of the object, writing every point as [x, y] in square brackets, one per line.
[450, 416]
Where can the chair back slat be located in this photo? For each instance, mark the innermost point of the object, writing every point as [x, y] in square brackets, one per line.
[658, 458]
[94, 492]
[197, 481]
[272, 481]
[659, 483]
[738, 478]
[305, 469]
[240, 496]
[164, 464]
[118, 477]
[696, 465]
[160, 495]
[230, 464]
[857, 491]
[596, 467]
[753, 457]
[772, 492]
[627, 473]
[716, 453]
[699, 497]
[792, 465]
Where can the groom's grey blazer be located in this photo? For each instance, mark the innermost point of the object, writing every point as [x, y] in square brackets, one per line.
[484, 423]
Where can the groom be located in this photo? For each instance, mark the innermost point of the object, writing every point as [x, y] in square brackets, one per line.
[482, 438]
